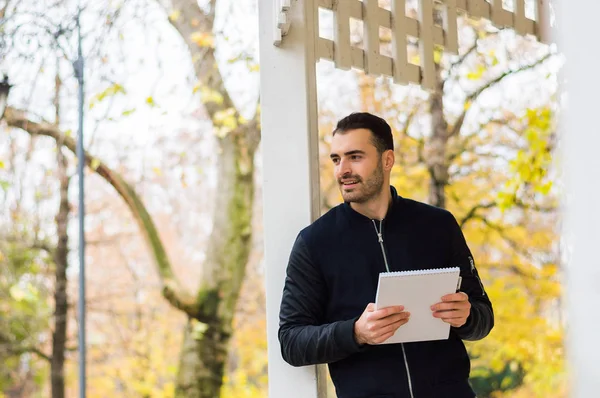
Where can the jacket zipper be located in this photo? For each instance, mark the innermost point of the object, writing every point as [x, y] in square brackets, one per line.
[380, 236]
[476, 276]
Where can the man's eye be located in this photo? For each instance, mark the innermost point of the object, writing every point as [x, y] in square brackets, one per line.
[355, 157]
[335, 161]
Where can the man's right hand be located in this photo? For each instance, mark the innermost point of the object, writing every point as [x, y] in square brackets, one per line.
[376, 326]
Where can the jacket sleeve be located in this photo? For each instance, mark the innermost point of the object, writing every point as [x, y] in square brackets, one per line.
[304, 338]
[481, 320]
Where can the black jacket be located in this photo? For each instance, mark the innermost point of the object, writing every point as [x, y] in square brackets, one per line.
[331, 277]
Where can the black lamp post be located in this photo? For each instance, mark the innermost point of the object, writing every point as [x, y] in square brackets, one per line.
[4, 90]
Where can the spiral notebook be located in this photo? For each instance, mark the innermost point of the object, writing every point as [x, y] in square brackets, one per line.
[417, 291]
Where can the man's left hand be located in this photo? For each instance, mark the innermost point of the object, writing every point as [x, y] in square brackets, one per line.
[454, 309]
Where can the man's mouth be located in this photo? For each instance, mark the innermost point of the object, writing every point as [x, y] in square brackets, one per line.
[349, 183]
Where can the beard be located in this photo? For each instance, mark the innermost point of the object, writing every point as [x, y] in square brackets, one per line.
[365, 189]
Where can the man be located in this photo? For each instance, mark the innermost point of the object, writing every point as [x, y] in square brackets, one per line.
[327, 313]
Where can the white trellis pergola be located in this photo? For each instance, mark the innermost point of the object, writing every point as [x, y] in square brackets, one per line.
[290, 47]
[345, 56]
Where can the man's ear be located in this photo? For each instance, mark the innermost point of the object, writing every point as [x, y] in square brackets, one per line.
[388, 159]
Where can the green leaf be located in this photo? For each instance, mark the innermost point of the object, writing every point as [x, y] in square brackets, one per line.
[94, 164]
[198, 329]
[108, 92]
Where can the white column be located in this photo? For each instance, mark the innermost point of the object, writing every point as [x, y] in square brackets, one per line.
[290, 168]
[580, 130]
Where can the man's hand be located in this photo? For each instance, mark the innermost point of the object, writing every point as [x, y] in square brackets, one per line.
[374, 327]
[454, 309]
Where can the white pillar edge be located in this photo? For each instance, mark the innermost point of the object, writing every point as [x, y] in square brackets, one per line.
[580, 137]
[290, 168]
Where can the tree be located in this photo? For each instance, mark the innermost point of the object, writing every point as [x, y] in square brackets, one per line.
[24, 313]
[210, 309]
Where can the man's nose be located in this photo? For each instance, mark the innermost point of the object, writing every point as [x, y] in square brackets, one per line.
[344, 168]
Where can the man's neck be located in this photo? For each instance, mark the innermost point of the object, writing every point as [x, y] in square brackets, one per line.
[377, 207]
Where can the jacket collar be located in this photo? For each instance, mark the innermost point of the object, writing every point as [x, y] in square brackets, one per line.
[394, 206]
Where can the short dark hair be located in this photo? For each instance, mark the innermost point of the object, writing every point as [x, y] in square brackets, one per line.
[381, 131]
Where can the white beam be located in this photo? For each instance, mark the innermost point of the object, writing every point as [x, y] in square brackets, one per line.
[581, 137]
[290, 167]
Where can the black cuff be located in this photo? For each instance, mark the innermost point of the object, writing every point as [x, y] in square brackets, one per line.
[344, 337]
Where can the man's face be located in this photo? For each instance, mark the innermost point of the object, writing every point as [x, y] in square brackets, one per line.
[358, 167]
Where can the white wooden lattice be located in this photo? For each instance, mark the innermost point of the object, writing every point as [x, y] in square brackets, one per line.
[281, 16]
[429, 34]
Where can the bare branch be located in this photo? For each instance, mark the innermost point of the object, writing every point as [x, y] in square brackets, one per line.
[175, 292]
[190, 20]
[471, 214]
[516, 247]
[42, 246]
[462, 59]
[3, 10]
[17, 350]
[470, 51]
[473, 96]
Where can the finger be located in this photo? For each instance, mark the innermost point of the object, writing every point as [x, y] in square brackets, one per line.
[370, 307]
[457, 322]
[392, 319]
[385, 312]
[453, 305]
[383, 338]
[444, 315]
[460, 296]
[381, 323]
[391, 328]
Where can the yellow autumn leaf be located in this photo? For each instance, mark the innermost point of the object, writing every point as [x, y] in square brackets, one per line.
[94, 164]
[477, 73]
[226, 119]
[110, 91]
[208, 95]
[174, 15]
[150, 102]
[203, 39]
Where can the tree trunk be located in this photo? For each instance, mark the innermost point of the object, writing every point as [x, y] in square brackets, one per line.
[205, 346]
[59, 334]
[204, 352]
[202, 360]
[436, 159]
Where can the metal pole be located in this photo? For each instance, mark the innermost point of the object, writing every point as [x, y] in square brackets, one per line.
[79, 64]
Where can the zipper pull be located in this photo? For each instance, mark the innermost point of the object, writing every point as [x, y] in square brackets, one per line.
[380, 237]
